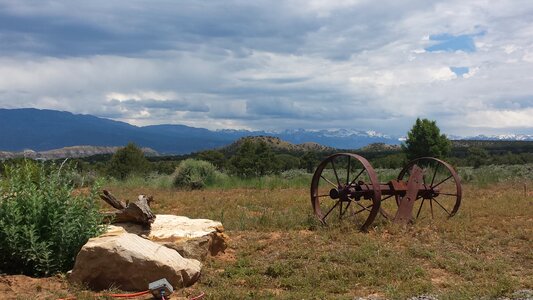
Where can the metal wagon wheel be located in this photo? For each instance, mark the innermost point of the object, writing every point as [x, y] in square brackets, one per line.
[335, 183]
[443, 192]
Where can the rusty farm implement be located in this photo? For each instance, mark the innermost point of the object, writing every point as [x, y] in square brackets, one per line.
[345, 185]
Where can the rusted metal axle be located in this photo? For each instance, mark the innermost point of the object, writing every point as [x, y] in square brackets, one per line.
[426, 180]
[393, 187]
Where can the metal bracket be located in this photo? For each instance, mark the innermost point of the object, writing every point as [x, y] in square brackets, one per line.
[404, 214]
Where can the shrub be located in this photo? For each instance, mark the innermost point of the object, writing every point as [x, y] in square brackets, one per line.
[194, 174]
[128, 160]
[254, 159]
[43, 223]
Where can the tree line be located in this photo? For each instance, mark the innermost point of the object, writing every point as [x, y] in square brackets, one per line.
[254, 158]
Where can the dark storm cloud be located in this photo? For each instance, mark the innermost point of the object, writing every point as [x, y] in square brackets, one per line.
[82, 28]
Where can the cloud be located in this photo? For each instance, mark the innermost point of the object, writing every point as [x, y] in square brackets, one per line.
[241, 64]
[502, 118]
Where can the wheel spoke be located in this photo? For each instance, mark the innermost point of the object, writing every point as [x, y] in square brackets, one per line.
[386, 198]
[353, 181]
[434, 175]
[329, 181]
[330, 210]
[447, 194]
[431, 206]
[449, 215]
[362, 209]
[320, 196]
[366, 208]
[335, 171]
[420, 208]
[348, 172]
[346, 208]
[436, 185]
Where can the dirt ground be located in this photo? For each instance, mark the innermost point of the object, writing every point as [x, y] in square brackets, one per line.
[20, 287]
[24, 287]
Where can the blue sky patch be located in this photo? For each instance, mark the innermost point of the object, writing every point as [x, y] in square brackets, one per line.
[450, 43]
[460, 71]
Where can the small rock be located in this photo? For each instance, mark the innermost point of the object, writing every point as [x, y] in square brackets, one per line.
[423, 297]
[129, 262]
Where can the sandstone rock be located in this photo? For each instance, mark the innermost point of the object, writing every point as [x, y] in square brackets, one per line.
[192, 238]
[129, 262]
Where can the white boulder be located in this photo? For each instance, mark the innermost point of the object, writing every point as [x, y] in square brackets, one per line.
[129, 262]
[192, 238]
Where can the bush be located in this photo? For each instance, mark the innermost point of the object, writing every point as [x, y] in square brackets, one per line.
[43, 223]
[254, 159]
[194, 174]
[128, 160]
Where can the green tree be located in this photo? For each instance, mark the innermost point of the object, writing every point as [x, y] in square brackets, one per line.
[477, 156]
[128, 160]
[425, 139]
[287, 161]
[309, 161]
[215, 157]
[254, 159]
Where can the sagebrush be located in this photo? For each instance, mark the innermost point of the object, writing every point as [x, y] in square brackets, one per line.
[44, 222]
[194, 174]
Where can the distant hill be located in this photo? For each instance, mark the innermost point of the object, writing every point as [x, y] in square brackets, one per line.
[71, 152]
[278, 145]
[460, 147]
[42, 130]
[380, 147]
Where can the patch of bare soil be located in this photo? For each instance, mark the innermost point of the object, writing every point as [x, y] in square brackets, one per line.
[24, 287]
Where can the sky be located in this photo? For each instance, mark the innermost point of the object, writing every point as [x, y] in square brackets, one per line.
[274, 65]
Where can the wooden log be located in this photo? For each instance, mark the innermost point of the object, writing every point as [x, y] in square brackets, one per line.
[111, 200]
[136, 212]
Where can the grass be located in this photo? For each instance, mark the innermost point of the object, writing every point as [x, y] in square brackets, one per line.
[483, 176]
[278, 250]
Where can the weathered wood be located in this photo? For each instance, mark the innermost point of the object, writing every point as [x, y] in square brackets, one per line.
[111, 200]
[137, 212]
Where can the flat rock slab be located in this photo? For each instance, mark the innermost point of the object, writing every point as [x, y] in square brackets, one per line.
[129, 262]
[192, 238]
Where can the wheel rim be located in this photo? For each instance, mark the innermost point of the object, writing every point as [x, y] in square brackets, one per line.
[330, 186]
[444, 185]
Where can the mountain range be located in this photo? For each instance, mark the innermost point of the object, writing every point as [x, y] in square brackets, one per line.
[42, 130]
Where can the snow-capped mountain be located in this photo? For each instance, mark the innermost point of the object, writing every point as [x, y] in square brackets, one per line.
[42, 130]
[502, 137]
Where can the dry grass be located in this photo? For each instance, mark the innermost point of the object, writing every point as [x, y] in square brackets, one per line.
[277, 249]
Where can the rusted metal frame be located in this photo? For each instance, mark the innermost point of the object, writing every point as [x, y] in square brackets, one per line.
[405, 210]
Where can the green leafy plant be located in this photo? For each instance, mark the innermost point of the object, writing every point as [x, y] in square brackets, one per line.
[44, 222]
[194, 174]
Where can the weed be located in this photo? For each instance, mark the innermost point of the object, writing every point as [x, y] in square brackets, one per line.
[43, 224]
